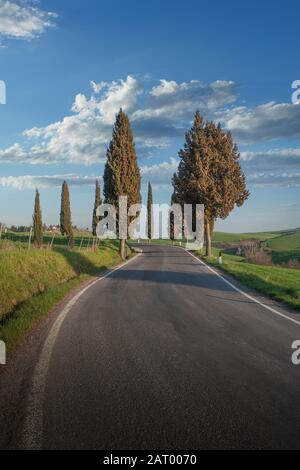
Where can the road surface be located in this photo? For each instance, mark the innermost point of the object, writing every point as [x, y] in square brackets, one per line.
[163, 354]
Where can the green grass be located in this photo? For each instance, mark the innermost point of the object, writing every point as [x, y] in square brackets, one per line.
[32, 283]
[276, 282]
[285, 247]
[81, 238]
[30, 312]
[224, 237]
[285, 242]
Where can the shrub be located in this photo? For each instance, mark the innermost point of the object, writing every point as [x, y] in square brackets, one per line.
[254, 253]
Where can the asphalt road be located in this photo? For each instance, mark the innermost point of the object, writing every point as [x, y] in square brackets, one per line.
[163, 354]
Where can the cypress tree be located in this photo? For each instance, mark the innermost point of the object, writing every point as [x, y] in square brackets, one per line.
[230, 181]
[122, 174]
[37, 221]
[209, 173]
[149, 211]
[65, 214]
[96, 205]
[193, 182]
[228, 174]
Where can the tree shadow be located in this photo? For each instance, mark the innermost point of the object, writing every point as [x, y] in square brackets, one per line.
[80, 263]
[196, 279]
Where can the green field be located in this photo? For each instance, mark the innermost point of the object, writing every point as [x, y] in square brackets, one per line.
[279, 283]
[224, 237]
[32, 282]
[283, 245]
[82, 238]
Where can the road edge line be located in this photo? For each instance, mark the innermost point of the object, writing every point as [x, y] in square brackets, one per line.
[248, 296]
[32, 431]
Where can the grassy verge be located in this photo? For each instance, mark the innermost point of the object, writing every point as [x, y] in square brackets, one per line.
[32, 283]
[278, 283]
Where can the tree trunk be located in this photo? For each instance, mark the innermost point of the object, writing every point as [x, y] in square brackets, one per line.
[122, 249]
[208, 239]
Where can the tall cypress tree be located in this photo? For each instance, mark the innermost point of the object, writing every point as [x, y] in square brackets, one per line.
[193, 182]
[65, 214]
[229, 179]
[149, 211]
[37, 221]
[122, 174]
[96, 205]
[209, 173]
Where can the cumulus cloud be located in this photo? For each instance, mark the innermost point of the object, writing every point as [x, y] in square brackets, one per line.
[46, 181]
[170, 106]
[160, 173]
[21, 19]
[278, 167]
[82, 136]
[272, 159]
[160, 116]
[266, 122]
[274, 179]
[12, 154]
[177, 102]
[274, 167]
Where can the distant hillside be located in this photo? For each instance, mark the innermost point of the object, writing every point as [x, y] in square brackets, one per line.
[286, 241]
[224, 237]
[284, 244]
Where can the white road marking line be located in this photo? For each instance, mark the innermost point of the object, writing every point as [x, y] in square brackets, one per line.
[32, 433]
[271, 309]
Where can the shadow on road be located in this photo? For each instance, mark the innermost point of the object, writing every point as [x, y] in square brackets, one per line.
[197, 279]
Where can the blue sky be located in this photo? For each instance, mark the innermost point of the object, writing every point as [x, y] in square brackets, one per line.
[69, 66]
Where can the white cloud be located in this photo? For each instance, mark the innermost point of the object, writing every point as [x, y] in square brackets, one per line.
[97, 87]
[168, 108]
[23, 19]
[272, 159]
[159, 173]
[272, 167]
[121, 94]
[46, 181]
[13, 154]
[83, 136]
[274, 179]
[266, 122]
[177, 102]
[280, 153]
